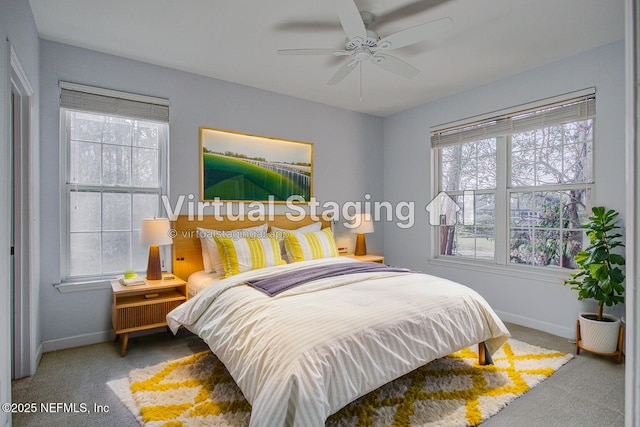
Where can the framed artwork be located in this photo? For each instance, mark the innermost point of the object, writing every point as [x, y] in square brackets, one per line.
[236, 166]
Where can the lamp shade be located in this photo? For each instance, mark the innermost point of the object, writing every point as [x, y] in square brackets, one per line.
[155, 232]
[364, 224]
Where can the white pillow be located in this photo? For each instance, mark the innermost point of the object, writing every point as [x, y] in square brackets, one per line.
[210, 251]
[281, 232]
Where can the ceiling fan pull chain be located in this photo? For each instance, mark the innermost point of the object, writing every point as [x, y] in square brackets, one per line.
[360, 65]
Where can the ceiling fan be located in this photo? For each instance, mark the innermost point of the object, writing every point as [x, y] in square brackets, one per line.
[364, 44]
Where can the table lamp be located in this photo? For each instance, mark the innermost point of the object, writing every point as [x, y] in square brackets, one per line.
[365, 225]
[155, 232]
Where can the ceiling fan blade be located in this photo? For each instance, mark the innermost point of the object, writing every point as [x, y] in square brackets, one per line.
[416, 34]
[342, 72]
[408, 10]
[395, 65]
[307, 26]
[350, 19]
[309, 52]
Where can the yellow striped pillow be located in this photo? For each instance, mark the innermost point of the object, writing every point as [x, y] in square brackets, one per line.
[248, 253]
[306, 246]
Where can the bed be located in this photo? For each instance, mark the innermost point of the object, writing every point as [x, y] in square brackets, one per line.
[306, 352]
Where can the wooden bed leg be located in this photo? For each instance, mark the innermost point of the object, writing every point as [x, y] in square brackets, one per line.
[481, 354]
[578, 337]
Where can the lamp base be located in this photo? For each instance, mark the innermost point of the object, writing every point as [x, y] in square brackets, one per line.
[361, 245]
[154, 268]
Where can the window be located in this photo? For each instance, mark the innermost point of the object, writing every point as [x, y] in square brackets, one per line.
[530, 173]
[115, 177]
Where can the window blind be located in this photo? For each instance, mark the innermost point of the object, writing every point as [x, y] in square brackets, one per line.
[525, 118]
[106, 101]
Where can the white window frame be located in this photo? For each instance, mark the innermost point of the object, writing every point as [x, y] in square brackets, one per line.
[500, 264]
[130, 111]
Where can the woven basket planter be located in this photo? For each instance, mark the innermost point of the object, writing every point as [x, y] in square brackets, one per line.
[599, 336]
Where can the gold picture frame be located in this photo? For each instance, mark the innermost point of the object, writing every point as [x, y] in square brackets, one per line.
[240, 167]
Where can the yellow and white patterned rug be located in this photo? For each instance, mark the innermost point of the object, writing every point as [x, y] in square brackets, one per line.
[453, 391]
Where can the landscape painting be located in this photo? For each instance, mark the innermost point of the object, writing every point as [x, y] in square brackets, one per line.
[242, 167]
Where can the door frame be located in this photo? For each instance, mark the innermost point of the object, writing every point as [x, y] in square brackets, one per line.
[26, 353]
[632, 225]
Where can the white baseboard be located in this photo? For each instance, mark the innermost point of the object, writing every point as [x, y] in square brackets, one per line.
[76, 341]
[550, 328]
[88, 339]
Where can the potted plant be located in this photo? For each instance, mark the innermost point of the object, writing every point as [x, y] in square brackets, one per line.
[600, 278]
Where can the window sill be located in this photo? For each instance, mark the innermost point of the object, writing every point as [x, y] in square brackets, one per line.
[554, 275]
[81, 286]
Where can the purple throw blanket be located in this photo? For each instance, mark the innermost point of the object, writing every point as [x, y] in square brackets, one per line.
[274, 285]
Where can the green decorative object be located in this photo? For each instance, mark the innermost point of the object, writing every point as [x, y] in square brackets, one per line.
[599, 276]
[243, 167]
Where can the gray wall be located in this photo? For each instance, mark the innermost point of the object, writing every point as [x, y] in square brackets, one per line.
[347, 157]
[542, 304]
[351, 152]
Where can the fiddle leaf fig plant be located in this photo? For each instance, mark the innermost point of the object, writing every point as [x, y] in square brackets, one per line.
[599, 276]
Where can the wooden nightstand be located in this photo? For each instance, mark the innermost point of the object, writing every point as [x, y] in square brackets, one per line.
[140, 307]
[367, 257]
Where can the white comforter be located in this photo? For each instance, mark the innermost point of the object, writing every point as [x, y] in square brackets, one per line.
[302, 355]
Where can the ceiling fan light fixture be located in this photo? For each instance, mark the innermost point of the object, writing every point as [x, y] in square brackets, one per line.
[362, 54]
[370, 41]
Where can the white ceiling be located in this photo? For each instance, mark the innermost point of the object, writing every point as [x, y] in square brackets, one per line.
[237, 41]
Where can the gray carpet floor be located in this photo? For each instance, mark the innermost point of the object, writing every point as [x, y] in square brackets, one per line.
[587, 391]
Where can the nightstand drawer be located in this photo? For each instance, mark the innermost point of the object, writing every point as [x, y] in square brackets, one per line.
[143, 316]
